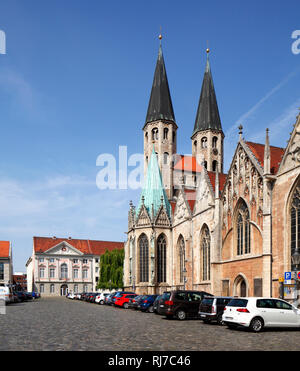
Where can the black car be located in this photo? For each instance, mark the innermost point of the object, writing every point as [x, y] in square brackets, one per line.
[181, 304]
[21, 296]
[156, 304]
[131, 302]
[212, 308]
[136, 301]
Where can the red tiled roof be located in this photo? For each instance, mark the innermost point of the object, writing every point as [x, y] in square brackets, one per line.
[276, 155]
[212, 178]
[4, 249]
[90, 247]
[188, 163]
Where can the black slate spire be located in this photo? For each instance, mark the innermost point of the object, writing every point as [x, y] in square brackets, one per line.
[208, 113]
[160, 104]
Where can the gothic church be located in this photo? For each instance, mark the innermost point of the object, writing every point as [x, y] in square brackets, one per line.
[197, 228]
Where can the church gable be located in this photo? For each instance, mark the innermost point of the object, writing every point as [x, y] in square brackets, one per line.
[182, 209]
[204, 195]
[244, 180]
[143, 217]
[291, 157]
[162, 218]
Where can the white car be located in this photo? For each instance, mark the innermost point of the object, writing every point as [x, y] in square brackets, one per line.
[257, 313]
[6, 294]
[100, 298]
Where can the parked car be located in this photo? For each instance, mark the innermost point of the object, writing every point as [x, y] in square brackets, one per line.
[6, 294]
[137, 301]
[211, 308]
[28, 295]
[181, 303]
[146, 304]
[21, 296]
[156, 303]
[131, 302]
[257, 313]
[118, 294]
[100, 298]
[122, 301]
[109, 298]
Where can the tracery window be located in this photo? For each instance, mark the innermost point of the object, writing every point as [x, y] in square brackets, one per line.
[161, 259]
[295, 220]
[205, 253]
[243, 229]
[144, 258]
[181, 258]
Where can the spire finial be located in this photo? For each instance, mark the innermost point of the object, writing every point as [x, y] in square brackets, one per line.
[160, 35]
[207, 48]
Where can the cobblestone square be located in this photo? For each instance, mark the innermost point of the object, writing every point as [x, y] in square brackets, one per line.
[62, 324]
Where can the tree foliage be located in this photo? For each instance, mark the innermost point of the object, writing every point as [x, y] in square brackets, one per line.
[111, 269]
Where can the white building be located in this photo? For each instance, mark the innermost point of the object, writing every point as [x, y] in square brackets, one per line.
[61, 265]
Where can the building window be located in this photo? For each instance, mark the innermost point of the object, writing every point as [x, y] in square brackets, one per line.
[85, 273]
[166, 131]
[166, 158]
[214, 165]
[144, 258]
[295, 222]
[161, 259]
[64, 271]
[42, 288]
[75, 289]
[155, 134]
[181, 259]
[52, 289]
[75, 273]
[41, 260]
[52, 272]
[85, 288]
[204, 142]
[51, 260]
[243, 229]
[1, 271]
[205, 253]
[214, 142]
[42, 272]
[75, 261]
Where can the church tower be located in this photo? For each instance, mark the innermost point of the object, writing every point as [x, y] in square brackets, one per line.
[208, 136]
[160, 126]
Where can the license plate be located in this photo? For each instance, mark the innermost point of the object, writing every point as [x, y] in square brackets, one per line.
[161, 306]
[202, 315]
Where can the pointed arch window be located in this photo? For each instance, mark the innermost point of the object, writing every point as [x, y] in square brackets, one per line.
[181, 259]
[161, 259]
[144, 258]
[243, 229]
[205, 254]
[295, 221]
[166, 132]
[204, 142]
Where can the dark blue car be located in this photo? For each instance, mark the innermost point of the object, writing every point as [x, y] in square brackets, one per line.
[146, 304]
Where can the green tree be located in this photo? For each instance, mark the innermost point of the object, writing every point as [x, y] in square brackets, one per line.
[111, 269]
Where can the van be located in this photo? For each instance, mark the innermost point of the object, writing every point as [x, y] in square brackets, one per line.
[212, 308]
[181, 304]
[6, 294]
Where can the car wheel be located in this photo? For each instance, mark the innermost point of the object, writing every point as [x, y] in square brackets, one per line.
[151, 309]
[257, 324]
[101, 302]
[125, 305]
[181, 315]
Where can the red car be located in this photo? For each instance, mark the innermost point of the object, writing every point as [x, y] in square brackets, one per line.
[123, 300]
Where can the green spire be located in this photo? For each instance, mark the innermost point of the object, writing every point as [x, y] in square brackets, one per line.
[153, 193]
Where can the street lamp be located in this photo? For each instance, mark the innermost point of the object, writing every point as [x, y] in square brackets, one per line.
[184, 277]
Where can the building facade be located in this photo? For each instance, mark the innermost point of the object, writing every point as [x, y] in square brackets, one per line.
[196, 227]
[6, 264]
[62, 265]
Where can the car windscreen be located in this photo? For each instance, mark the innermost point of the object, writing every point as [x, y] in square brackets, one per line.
[166, 295]
[238, 303]
[207, 301]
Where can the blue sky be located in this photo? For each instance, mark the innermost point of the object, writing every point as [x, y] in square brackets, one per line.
[75, 82]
